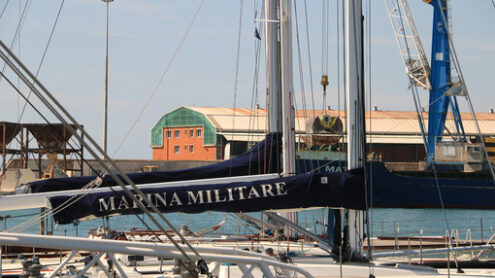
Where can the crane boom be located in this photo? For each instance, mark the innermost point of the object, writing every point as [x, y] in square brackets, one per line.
[411, 49]
[437, 78]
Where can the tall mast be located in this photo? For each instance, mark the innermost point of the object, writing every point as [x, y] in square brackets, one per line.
[355, 118]
[279, 78]
[272, 46]
[279, 84]
[288, 140]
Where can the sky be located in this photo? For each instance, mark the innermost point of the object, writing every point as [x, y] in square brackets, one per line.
[144, 36]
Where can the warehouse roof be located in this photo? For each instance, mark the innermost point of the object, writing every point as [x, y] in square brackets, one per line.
[250, 124]
[377, 122]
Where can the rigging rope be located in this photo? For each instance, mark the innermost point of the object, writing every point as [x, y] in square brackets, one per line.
[339, 32]
[37, 73]
[43, 56]
[421, 122]
[16, 88]
[344, 70]
[369, 179]
[301, 74]
[254, 93]
[162, 79]
[236, 77]
[456, 64]
[20, 23]
[61, 113]
[457, 67]
[324, 36]
[414, 89]
[4, 8]
[309, 57]
[39, 113]
[53, 105]
[310, 66]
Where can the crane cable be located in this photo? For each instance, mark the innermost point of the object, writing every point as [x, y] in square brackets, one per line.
[324, 50]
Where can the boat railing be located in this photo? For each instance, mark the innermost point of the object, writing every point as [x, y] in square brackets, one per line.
[467, 227]
[422, 239]
[417, 253]
[246, 261]
[450, 246]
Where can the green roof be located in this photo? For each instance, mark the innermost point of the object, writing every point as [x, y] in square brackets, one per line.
[182, 117]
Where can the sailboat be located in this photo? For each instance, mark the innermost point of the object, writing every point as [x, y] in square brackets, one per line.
[287, 191]
[458, 189]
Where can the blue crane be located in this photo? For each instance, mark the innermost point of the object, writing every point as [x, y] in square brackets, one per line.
[443, 91]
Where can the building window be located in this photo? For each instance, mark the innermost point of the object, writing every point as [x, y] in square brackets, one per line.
[177, 133]
[185, 148]
[186, 133]
[198, 132]
[191, 148]
[169, 133]
[177, 149]
[191, 133]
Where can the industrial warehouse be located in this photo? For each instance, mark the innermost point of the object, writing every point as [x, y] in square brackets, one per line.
[211, 133]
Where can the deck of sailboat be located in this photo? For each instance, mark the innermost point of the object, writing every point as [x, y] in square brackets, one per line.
[225, 258]
[316, 266]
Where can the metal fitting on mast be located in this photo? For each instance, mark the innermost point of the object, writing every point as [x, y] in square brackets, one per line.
[324, 82]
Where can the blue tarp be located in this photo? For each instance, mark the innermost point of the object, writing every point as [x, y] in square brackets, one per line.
[301, 191]
[251, 162]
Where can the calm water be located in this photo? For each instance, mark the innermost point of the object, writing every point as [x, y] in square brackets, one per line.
[481, 223]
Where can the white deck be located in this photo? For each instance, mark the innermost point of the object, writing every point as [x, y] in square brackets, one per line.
[223, 261]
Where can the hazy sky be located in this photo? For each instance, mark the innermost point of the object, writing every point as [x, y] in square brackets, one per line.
[144, 35]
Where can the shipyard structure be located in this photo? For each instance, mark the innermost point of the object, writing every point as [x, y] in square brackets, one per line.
[211, 133]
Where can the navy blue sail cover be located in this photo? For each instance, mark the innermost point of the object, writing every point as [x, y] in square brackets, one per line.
[344, 189]
[262, 158]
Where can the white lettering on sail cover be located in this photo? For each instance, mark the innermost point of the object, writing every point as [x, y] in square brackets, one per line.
[195, 197]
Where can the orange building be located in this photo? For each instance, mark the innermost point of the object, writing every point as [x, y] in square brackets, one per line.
[184, 143]
[202, 133]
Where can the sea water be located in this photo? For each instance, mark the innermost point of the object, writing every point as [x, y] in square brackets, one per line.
[465, 224]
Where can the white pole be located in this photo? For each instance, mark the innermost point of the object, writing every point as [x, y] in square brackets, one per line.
[288, 140]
